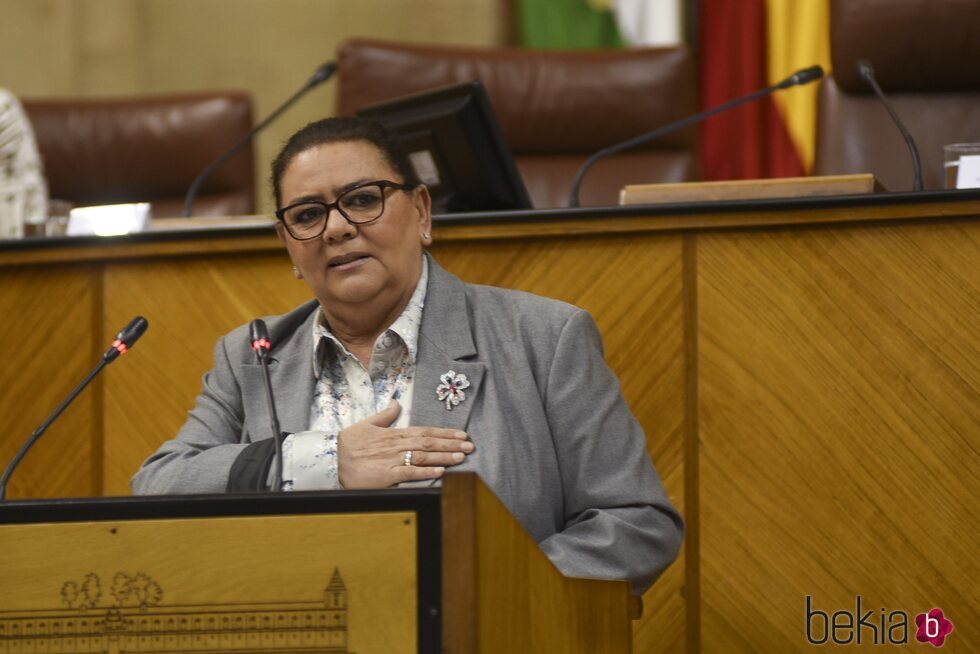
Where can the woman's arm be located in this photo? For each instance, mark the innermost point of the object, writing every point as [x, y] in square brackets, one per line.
[619, 522]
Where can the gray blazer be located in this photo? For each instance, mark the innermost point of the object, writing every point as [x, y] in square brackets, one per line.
[554, 438]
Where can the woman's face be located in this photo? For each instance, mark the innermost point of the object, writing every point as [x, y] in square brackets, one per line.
[356, 265]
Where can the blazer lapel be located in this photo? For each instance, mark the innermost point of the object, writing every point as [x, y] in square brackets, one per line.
[445, 343]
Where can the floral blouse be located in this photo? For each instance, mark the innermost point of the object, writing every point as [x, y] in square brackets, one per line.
[347, 393]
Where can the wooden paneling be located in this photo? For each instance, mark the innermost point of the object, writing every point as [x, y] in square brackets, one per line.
[49, 315]
[709, 217]
[839, 428]
[809, 382]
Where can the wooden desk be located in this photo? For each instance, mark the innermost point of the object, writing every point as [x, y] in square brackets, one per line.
[807, 372]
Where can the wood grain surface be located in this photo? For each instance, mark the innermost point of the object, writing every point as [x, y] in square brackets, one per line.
[748, 189]
[504, 595]
[247, 569]
[839, 429]
[49, 314]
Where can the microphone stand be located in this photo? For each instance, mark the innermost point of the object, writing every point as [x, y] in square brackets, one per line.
[322, 74]
[867, 73]
[44, 427]
[801, 77]
[259, 339]
[124, 340]
[277, 469]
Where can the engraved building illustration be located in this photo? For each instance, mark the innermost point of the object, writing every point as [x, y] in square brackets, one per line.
[136, 620]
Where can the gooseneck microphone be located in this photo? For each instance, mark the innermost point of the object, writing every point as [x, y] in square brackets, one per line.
[322, 74]
[258, 337]
[867, 73]
[124, 340]
[800, 77]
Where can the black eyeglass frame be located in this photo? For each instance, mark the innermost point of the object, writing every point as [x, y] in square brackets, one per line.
[330, 206]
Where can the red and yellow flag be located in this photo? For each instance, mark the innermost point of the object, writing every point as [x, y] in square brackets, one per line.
[746, 45]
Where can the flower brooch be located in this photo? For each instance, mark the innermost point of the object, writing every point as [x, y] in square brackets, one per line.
[450, 390]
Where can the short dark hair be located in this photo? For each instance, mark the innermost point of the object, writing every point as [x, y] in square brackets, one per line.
[339, 130]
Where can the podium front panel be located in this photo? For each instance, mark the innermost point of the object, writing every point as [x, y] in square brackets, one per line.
[292, 581]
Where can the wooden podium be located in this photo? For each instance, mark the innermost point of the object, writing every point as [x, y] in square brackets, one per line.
[425, 570]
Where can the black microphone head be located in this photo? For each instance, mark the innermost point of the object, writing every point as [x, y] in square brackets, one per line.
[804, 76]
[322, 74]
[865, 70]
[258, 337]
[126, 337]
[131, 332]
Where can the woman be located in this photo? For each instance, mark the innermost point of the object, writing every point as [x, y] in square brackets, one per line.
[398, 370]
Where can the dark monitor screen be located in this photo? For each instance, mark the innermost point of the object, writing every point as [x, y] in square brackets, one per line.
[453, 141]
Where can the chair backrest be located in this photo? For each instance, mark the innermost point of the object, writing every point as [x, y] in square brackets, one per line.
[147, 149]
[554, 107]
[925, 55]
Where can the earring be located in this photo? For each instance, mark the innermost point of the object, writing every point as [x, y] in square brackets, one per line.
[426, 235]
[296, 273]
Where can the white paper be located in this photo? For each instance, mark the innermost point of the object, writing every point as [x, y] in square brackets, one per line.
[109, 219]
[968, 174]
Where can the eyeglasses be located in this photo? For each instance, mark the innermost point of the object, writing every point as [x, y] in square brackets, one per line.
[359, 205]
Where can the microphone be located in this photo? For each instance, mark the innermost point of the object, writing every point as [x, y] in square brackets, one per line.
[322, 74]
[124, 340]
[258, 337]
[804, 76]
[867, 73]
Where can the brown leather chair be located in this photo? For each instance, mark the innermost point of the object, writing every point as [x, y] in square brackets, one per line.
[554, 107]
[925, 55]
[147, 149]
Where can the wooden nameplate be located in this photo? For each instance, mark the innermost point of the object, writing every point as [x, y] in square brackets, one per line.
[749, 189]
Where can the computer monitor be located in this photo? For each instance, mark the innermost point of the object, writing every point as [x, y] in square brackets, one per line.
[453, 141]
